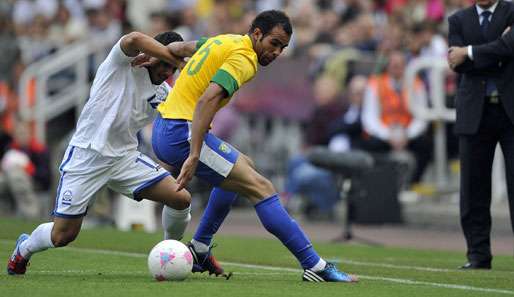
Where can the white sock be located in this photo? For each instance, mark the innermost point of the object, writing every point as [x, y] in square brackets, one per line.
[319, 266]
[200, 247]
[174, 222]
[39, 240]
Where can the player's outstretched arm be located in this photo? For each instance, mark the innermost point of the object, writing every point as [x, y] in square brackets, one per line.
[135, 43]
[205, 110]
[183, 49]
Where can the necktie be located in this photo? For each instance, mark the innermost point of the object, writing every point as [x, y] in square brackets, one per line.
[485, 21]
[490, 85]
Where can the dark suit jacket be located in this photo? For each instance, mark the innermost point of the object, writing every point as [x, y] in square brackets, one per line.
[464, 29]
[502, 49]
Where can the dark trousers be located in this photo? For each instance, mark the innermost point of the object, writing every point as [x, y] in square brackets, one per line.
[476, 158]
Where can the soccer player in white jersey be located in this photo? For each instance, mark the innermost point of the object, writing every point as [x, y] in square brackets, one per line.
[103, 150]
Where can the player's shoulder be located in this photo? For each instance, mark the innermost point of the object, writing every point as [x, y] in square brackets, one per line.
[117, 57]
[234, 41]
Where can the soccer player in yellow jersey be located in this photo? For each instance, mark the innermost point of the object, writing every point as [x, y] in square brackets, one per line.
[218, 67]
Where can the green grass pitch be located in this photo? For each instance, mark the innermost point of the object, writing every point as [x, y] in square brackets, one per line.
[106, 262]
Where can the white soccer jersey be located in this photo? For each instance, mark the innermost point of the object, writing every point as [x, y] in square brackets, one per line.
[121, 102]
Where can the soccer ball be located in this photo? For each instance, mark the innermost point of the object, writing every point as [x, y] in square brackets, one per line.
[170, 260]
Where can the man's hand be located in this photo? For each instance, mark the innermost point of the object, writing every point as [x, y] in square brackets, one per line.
[457, 56]
[141, 60]
[187, 172]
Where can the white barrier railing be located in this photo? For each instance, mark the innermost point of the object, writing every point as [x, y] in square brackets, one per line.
[43, 106]
[437, 112]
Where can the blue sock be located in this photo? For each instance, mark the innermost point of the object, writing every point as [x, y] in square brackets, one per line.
[278, 222]
[220, 202]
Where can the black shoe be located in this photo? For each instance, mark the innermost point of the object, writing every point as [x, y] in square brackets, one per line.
[476, 265]
[206, 262]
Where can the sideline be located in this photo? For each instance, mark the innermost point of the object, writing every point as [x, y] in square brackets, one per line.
[284, 269]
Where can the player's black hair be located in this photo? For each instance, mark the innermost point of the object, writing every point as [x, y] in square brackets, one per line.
[269, 19]
[166, 38]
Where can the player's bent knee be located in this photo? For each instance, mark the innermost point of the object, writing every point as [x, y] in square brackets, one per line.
[165, 192]
[182, 200]
[177, 200]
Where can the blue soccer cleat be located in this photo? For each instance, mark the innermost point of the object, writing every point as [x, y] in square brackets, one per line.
[329, 274]
[206, 262]
[17, 264]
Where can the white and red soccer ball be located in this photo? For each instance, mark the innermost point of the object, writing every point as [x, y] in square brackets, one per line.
[170, 260]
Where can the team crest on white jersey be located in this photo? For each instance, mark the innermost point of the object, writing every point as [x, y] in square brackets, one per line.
[160, 96]
[66, 197]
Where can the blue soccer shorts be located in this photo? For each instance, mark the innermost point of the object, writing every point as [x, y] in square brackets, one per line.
[171, 144]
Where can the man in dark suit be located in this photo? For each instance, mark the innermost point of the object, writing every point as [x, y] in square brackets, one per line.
[485, 116]
[502, 49]
[484, 113]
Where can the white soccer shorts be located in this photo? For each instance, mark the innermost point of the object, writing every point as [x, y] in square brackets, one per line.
[85, 171]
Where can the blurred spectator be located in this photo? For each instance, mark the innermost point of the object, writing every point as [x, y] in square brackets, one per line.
[352, 9]
[316, 184]
[65, 29]
[427, 42]
[184, 22]
[25, 11]
[10, 69]
[347, 130]
[434, 10]
[101, 22]
[76, 8]
[159, 22]
[36, 44]
[139, 12]
[18, 172]
[8, 102]
[329, 107]
[304, 33]
[25, 142]
[327, 23]
[420, 10]
[9, 46]
[387, 118]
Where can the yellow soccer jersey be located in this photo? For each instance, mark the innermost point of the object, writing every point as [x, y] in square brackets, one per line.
[228, 60]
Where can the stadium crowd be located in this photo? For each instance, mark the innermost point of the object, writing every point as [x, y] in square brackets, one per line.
[354, 52]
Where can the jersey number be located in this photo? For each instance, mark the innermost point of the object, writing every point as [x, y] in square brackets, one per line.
[204, 53]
